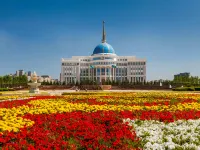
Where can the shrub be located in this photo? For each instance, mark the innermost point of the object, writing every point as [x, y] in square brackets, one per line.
[6, 89]
[184, 89]
[11, 89]
[84, 93]
[3, 89]
[197, 88]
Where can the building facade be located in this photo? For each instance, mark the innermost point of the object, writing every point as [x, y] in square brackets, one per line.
[44, 78]
[29, 73]
[20, 72]
[103, 65]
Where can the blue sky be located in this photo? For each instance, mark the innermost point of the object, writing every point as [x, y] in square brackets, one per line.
[35, 35]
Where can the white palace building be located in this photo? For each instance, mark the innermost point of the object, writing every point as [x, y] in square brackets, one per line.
[104, 64]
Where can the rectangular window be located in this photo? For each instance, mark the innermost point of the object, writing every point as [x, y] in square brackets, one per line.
[98, 71]
[102, 69]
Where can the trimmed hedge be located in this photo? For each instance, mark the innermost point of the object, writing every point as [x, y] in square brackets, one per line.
[197, 88]
[6, 89]
[187, 89]
[84, 93]
[184, 89]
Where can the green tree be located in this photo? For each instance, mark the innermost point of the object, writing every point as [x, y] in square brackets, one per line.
[178, 79]
[7, 80]
[64, 83]
[15, 81]
[196, 80]
[1, 81]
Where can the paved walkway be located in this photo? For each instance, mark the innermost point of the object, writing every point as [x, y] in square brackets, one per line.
[59, 92]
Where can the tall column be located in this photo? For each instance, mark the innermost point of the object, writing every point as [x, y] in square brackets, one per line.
[89, 76]
[124, 73]
[96, 73]
[121, 74]
[100, 74]
[112, 73]
[92, 74]
[109, 73]
[115, 73]
[105, 73]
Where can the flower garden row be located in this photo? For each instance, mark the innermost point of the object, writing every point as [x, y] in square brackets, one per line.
[101, 121]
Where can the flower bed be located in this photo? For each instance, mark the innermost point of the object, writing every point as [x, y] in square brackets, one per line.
[102, 121]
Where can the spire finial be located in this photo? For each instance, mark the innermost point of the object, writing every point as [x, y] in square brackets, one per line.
[104, 34]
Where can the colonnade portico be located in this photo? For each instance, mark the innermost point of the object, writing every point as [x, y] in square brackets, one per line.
[103, 73]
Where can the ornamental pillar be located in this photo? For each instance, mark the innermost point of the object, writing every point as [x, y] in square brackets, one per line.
[113, 74]
[100, 74]
[105, 73]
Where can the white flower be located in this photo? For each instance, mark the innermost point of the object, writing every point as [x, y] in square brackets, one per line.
[183, 134]
[170, 145]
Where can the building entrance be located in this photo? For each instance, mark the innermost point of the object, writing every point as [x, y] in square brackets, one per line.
[103, 80]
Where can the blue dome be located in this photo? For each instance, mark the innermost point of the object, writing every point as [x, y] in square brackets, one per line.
[104, 48]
